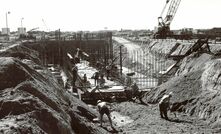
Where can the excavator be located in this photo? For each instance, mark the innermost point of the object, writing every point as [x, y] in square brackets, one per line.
[163, 30]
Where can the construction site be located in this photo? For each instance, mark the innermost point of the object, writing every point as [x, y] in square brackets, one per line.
[49, 85]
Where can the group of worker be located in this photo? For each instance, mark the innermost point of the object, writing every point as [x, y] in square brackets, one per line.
[132, 92]
[109, 69]
[98, 79]
[164, 103]
[97, 76]
[164, 107]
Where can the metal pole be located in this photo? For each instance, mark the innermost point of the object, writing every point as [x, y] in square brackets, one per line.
[59, 49]
[21, 22]
[121, 60]
[7, 21]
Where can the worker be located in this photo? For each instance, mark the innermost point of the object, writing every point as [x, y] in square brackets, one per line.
[85, 83]
[134, 88]
[114, 71]
[164, 105]
[67, 84]
[127, 89]
[85, 78]
[113, 99]
[136, 93]
[128, 93]
[132, 92]
[96, 78]
[74, 74]
[98, 64]
[108, 70]
[103, 109]
[102, 81]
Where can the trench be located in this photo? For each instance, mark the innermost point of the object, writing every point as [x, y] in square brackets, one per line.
[53, 55]
[56, 60]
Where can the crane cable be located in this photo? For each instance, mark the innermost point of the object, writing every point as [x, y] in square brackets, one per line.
[45, 25]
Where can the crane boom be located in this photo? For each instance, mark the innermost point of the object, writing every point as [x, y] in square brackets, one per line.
[45, 25]
[172, 10]
[164, 8]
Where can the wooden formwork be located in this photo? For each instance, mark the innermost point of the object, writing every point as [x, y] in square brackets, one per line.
[119, 96]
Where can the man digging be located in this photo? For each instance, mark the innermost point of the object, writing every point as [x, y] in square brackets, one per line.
[164, 105]
[103, 109]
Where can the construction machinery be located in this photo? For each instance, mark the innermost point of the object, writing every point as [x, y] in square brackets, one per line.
[163, 30]
[29, 34]
[33, 29]
[47, 29]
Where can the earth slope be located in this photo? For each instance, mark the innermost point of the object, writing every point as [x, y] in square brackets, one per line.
[32, 101]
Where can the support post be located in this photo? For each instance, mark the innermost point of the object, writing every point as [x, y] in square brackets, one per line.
[121, 61]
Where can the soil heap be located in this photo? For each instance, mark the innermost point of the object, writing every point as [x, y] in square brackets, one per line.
[196, 86]
[32, 101]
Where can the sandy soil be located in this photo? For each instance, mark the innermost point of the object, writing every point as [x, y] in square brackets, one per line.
[147, 120]
[34, 102]
[196, 87]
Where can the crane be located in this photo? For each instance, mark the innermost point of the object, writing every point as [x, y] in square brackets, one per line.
[45, 25]
[163, 30]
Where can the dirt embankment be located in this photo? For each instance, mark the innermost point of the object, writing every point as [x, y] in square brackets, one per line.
[196, 86]
[31, 100]
[196, 89]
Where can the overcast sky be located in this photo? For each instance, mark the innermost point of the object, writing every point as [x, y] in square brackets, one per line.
[74, 15]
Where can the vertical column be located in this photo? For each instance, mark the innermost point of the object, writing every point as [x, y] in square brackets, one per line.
[111, 45]
[121, 61]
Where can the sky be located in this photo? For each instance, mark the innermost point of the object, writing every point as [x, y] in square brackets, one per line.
[93, 15]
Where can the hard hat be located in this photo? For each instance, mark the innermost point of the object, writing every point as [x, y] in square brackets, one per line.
[171, 93]
[113, 97]
[98, 101]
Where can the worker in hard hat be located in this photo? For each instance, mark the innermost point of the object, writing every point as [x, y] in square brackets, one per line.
[164, 105]
[103, 109]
